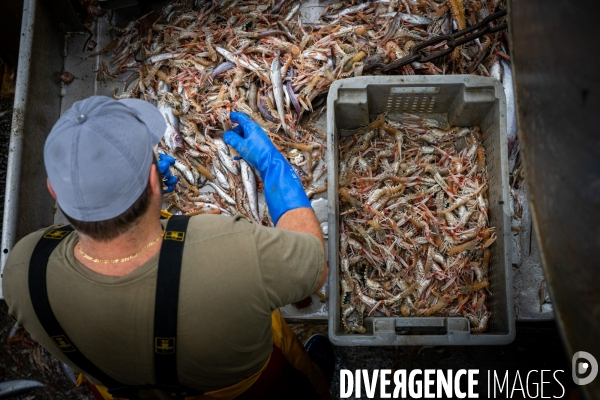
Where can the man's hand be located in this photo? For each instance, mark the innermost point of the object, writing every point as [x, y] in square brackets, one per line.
[251, 141]
[282, 187]
[164, 162]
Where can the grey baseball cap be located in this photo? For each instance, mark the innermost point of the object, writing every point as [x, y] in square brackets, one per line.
[98, 155]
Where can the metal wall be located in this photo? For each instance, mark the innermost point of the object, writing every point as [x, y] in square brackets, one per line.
[555, 62]
[28, 205]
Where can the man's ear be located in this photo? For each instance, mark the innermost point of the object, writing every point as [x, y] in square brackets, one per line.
[50, 188]
[155, 180]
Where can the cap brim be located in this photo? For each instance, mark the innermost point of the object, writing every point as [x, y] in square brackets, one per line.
[149, 115]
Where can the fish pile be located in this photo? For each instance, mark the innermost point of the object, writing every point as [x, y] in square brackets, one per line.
[414, 229]
[197, 61]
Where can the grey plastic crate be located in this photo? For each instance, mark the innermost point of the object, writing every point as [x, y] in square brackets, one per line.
[462, 100]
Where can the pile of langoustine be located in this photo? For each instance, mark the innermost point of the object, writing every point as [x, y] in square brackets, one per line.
[197, 61]
[414, 230]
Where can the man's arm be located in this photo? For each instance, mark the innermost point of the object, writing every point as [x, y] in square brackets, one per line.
[304, 220]
[288, 204]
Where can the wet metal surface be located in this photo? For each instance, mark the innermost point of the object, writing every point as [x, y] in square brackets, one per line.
[532, 301]
[5, 105]
[557, 117]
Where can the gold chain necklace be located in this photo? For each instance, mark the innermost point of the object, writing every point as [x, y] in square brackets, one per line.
[118, 260]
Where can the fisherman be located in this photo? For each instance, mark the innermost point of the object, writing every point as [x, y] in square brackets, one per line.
[145, 307]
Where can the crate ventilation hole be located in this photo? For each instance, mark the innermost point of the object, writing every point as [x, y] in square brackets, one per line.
[410, 103]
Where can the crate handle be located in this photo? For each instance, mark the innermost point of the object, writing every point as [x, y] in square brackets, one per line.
[421, 326]
[415, 89]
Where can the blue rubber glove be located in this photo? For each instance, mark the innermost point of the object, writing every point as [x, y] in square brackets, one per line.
[283, 188]
[164, 162]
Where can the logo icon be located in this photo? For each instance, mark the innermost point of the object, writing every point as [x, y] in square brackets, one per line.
[164, 345]
[585, 368]
[63, 343]
[56, 234]
[174, 235]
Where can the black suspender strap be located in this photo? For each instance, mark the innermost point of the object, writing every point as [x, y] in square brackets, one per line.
[39, 299]
[167, 299]
[165, 311]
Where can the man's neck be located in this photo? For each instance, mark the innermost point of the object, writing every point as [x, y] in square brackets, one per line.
[133, 241]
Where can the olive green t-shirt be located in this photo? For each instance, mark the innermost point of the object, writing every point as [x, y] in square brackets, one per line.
[234, 273]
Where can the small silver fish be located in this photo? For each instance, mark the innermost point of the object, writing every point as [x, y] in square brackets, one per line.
[496, 71]
[185, 100]
[277, 83]
[207, 205]
[249, 181]
[412, 19]
[204, 198]
[172, 135]
[151, 96]
[221, 178]
[446, 27]
[292, 12]
[221, 193]
[222, 68]
[173, 138]
[511, 111]
[224, 156]
[392, 28]
[415, 19]
[161, 57]
[186, 171]
[251, 65]
[13, 331]
[349, 10]
[13, 388]
[68, 373]
[300, 172]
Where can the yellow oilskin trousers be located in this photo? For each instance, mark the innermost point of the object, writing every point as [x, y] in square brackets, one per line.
[291, 348]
